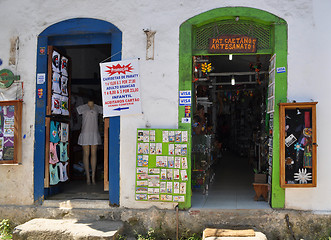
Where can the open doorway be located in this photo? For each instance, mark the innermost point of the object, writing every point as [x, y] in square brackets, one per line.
[84, 87]
[229, 130]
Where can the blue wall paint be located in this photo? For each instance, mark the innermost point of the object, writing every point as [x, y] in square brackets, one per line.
[78, 31]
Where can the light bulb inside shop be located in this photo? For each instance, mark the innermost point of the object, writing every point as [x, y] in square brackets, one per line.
[233, 81]
[230, 57]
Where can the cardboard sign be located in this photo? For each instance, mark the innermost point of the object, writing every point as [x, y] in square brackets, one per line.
[120, 88]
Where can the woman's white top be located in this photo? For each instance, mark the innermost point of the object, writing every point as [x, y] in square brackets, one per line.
[90, 133]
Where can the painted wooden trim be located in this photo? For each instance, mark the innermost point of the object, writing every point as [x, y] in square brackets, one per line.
[280, 48]
[76, 26]
[40, 113]
[17, 156]
[283, 108]
[106, 155]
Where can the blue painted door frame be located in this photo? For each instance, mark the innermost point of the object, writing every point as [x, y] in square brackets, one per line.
[78, 31]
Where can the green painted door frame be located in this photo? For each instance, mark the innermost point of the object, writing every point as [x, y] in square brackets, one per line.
[279, 47]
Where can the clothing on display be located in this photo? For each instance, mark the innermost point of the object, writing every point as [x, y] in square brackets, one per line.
[63, 151]
[56, 61]
[90, 134]
[64, 66]
[64, 132]
[56, 104]
[52, 153]
[54, 132]
[64, 86]
[56, 82]
[54, 174]
[63, 172]
[57, 114]
[64, 106]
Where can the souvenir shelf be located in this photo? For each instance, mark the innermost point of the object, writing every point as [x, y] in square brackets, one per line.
[162, 165]
[201, 161]
[10, 132]
[298, 144]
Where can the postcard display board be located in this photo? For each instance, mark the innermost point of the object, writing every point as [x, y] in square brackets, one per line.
[10, 132]
[57, 120]
[162, 165]
[298, 144]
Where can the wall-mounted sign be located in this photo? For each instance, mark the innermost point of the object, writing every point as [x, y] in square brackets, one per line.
[7, 78]
[185, 98]
[120, 88]
[281, 70]
[232, 44]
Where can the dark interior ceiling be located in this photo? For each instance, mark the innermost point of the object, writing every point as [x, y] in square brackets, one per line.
[239, 63]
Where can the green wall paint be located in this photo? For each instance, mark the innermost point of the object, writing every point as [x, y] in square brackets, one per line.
[279, 48]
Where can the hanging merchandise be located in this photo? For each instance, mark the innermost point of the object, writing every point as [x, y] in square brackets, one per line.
[56, 104]
[55, 61]
[64, 66]
[57, 117]
[63, 172]
[64, 132]
[54, 174]
[206, 68]
[64, 106]
[56, 82]
[63, 151]
[202, 67]
[257, 66]
[53, 159]
[54, 132]
[64, 86]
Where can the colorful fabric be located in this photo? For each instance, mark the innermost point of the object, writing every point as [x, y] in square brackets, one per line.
[64, 86]
[54, 132]
[53, 159]
[63, 172]
[56, 82]
[56, 103]
[64, 132]
[63, 152]
[64, 66]
[56, 61]
[64, 106]
[53, 174]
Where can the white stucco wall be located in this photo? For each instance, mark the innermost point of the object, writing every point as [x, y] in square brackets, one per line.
[308, 64]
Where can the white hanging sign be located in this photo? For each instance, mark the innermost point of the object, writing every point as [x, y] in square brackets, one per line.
[120, 88]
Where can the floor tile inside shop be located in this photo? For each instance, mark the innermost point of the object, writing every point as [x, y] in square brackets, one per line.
[232, 187]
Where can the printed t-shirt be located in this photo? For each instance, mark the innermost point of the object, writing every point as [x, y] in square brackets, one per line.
[63, 172]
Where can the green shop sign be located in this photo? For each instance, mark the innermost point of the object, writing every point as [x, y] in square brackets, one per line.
[7, 78]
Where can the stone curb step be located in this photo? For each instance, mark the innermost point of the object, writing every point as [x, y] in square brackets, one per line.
[230, 234]
[67, 229]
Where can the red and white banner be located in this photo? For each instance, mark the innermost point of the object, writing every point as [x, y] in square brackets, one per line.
[120, 88]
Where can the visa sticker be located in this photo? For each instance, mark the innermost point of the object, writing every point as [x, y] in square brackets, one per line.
[281, 70]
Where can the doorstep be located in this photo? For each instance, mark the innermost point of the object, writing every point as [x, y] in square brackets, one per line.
[77, 203]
